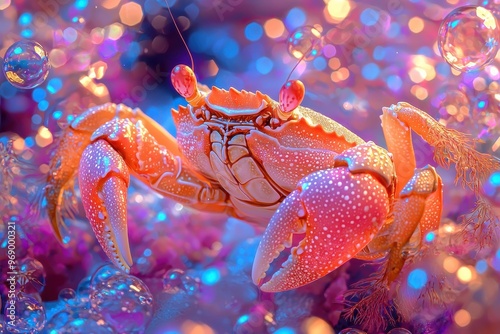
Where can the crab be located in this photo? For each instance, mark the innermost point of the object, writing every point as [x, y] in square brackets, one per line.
[271, 163]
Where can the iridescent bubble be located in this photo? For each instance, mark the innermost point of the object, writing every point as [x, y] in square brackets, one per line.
[454, 108]
[83, 290]
[125, 302]
[27, 315]
[305, 42]
[469, 38]
[103, 274]
[176, 280]
[352, 331]
[31, 276]
[26, 64]
[190, 285]
[68, 296]
[491, 188]
[77, 321]
[172, 280]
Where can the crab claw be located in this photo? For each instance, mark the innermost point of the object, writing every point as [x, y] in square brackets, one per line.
[339, 211]
[104, 179]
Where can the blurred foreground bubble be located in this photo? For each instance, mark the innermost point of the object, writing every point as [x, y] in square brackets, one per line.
[26, 64]
[469, 38]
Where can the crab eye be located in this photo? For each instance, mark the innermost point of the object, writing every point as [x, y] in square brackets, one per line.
[291, 95]
[184, 81]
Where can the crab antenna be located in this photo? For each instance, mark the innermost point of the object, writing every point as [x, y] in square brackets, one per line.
[180, 34]
[293, 91]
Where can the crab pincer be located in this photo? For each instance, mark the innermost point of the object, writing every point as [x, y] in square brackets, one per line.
[339, 209]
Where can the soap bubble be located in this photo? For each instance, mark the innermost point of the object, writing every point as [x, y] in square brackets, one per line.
[469, 38]
[77, 321]
[305, 42]
[176, 280]
[68, 296]
[26, 64]
[83, 291]
[27, 315]
[124, 301]
[103, 274]
[31, 275]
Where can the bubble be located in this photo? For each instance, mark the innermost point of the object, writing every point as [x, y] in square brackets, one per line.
[454, 108]
[103, 274]
[469, 38]
[305, 42]
[77, 321]
[68, 296]
[83, 290]
[31, 276]
[172, 280]
[124, 301]
[26, 316]
[191, 285]
[352, 331]
[399, 331]
[26, 64]
[176, 280]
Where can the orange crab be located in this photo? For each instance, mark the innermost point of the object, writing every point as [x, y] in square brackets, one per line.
[271, 163]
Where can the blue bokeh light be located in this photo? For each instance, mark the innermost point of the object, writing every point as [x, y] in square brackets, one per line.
[43, 105]
[25, 19]
[161, 216]
[57, 114]
[210, 276]
[54, 85]
[481, 266]
[81, 4]
[370, 71]
[369, 16]
[417, 278]
[285, 330]
[394, 83]
[264, 65]
[319, 63]
[429, 237]
[253, 31]
[38, 94]
[295, 18]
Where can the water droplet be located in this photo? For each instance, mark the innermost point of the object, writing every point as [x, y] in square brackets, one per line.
[68, 296]
[469, 38]
[26, 64]
[305, 42]
[125, 302]
[31, 275]
[27, 315]
[352, 331]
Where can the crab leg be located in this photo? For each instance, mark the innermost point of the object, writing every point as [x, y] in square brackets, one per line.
[420, 203]
[418, 210]
[339, 209]
[105, 144]
[450, 146]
